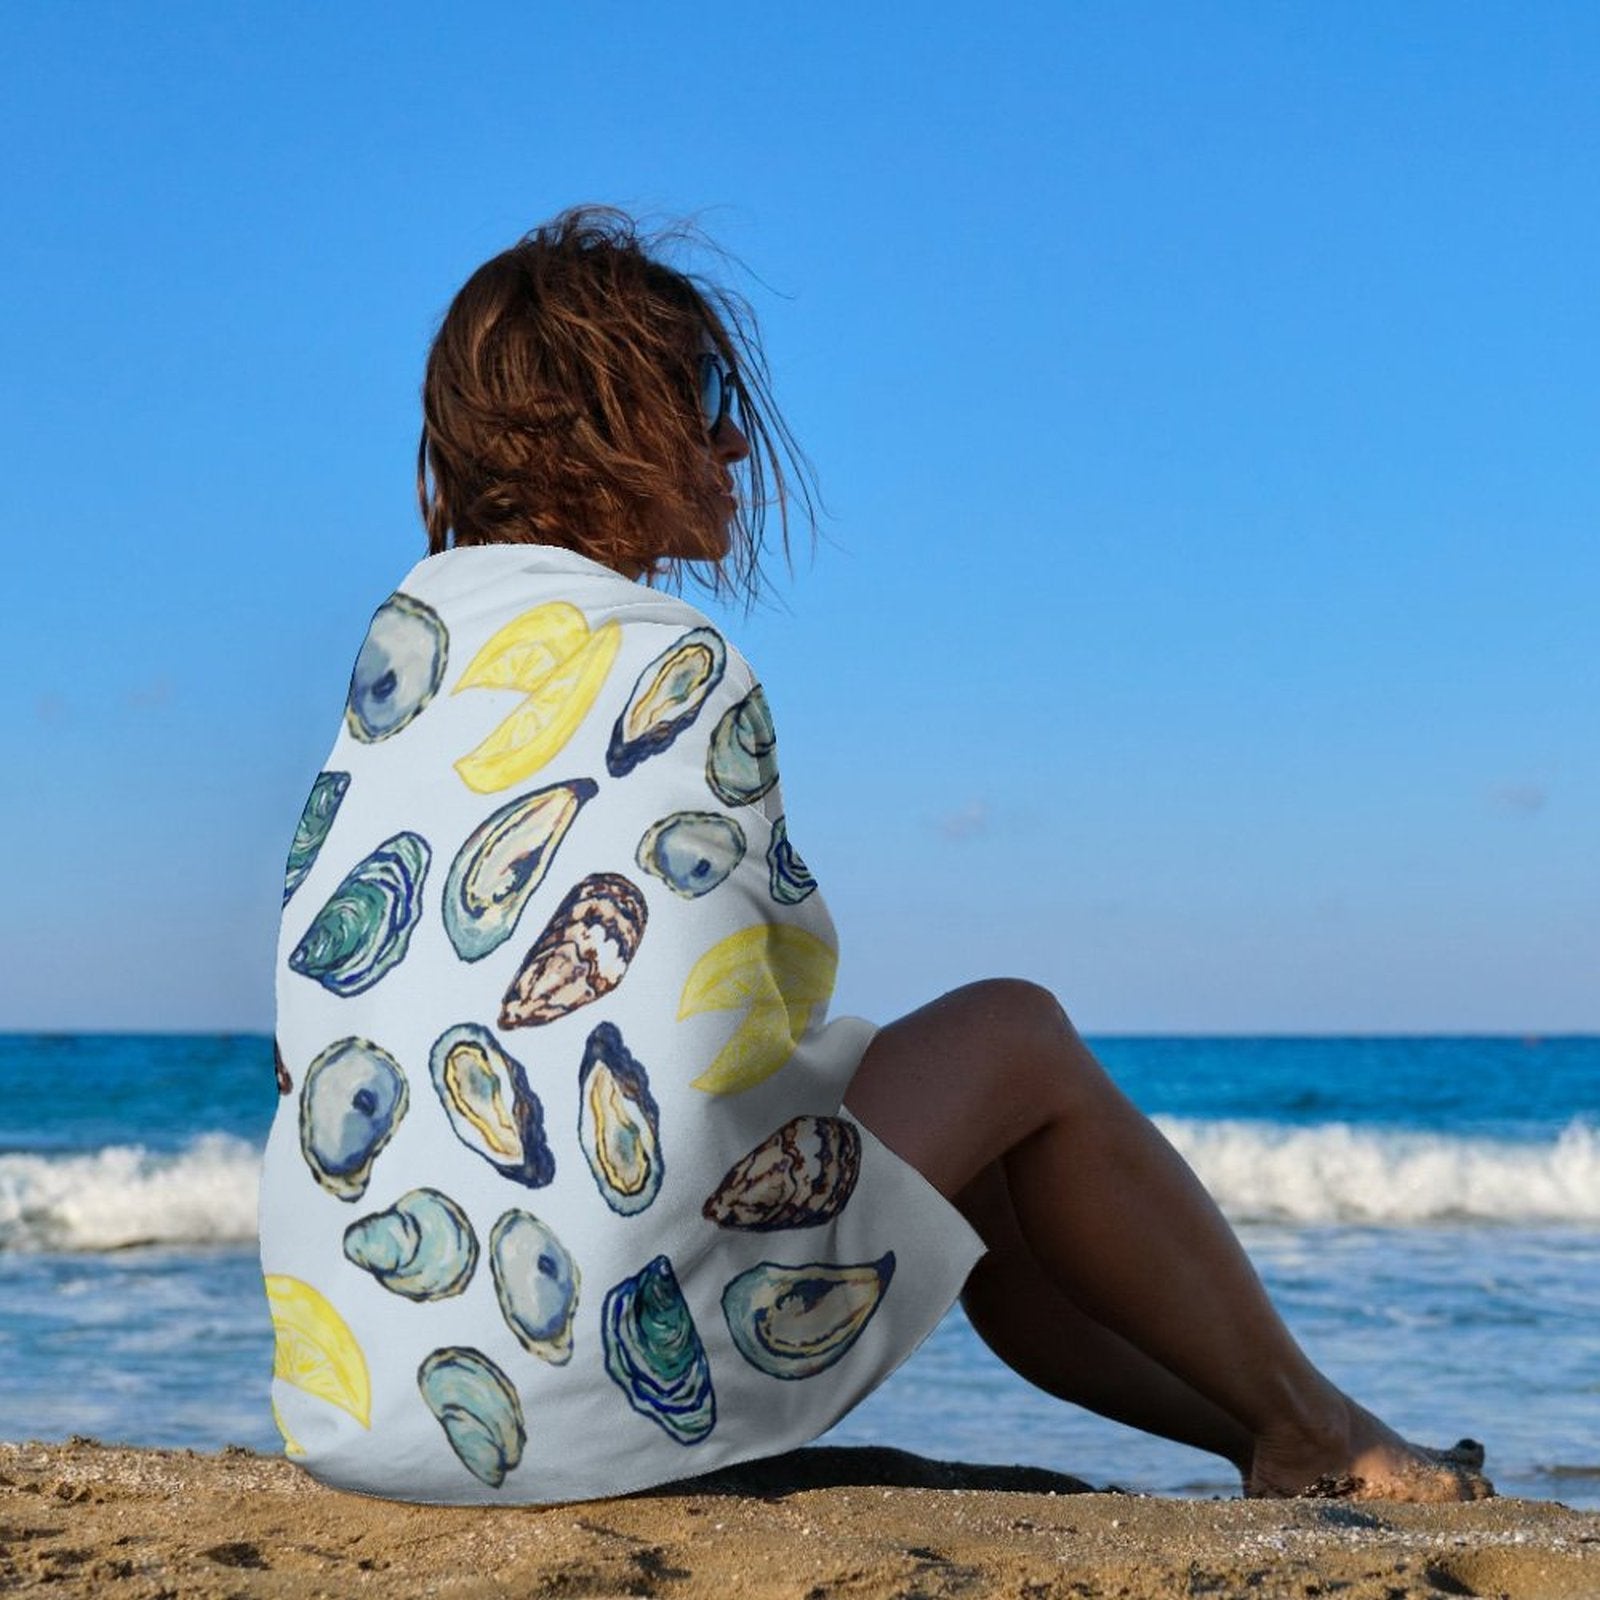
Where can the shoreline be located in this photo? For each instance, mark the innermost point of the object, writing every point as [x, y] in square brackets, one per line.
[85, 1518]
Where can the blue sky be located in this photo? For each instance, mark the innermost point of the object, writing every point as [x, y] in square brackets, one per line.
[1204, 396]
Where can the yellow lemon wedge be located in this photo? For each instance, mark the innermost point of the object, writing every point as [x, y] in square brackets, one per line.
[557, 701]
[291, 1445]
[777, 975]
[527, 648]
[316, 1350]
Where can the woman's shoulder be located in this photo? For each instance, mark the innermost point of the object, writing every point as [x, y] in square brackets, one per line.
[480, 583]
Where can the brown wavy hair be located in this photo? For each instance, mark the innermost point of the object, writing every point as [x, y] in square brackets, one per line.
[560, 406]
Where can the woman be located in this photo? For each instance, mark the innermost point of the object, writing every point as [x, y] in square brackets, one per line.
[573, 1188]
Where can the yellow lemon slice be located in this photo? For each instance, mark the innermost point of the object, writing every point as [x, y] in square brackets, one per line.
[527, 648]
[291, 1445]
[557, 702]
[777, 974]
[316, 1350]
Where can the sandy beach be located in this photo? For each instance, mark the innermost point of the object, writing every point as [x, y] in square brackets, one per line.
[88, 1519]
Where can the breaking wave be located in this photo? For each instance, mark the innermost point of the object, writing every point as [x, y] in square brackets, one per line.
[124, 1195]
[1268, 1172]
[205, 1193]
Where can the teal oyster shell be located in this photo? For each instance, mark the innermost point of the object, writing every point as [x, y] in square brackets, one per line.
[422, 1247]
[351, 1100]
[398, 670]
[619, 1124]
[486, 1096]
[654, 1354]
[536, 1282]
[789, 879]
[798, 1177]
[582, 953]
[365, 928]
[691, 851]
[478, 1409]
[742, 760]
[316, 818]
[503, 861]
[793, 1322]
[666, 699]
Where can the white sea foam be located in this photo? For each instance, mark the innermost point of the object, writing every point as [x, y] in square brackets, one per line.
[1335, 1172]
[1259, 1172]
[125, 1195]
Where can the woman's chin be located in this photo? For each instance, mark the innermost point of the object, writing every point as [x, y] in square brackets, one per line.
[712, 545]
[721, 541]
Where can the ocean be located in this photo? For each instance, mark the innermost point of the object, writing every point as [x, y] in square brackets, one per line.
[1425, 1213]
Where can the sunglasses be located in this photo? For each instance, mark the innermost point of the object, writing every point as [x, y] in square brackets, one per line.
[717, 389]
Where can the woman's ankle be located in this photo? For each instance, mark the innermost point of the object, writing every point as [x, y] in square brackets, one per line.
[1312, 1436]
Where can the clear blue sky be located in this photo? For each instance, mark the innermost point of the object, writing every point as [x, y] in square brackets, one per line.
[1205, 396]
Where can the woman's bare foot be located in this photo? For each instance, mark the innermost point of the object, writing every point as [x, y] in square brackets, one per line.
[1362, 1459]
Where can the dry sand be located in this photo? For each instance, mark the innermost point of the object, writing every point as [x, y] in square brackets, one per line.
[87, 1519]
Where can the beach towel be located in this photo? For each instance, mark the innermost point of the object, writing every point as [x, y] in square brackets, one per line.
[561, 1199]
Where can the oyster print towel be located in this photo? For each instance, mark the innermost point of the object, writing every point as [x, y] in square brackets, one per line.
[560, 1200]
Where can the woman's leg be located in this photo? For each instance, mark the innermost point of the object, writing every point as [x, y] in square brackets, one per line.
[995, 1072]
[1020, 1313]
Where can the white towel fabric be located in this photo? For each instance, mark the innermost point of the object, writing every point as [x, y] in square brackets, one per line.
[561, 1200]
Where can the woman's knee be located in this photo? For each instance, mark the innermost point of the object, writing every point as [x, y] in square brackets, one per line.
[1036, 1048]
[956, 1083]
[1029, 1011]
[1025, 1025]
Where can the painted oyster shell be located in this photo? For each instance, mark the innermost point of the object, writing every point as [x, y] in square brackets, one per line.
[788, 876]
[422, 1247]
[666, 699]
[503, 861]
[398, 671]
[619, 1124]
[742, 761]
[486, 1096]
[582, 954]
[691, 851]
[478, 1409]
[798, 1177]
[316, 818]
[351, 1100]
[365, 928]
[536, 1282]
[654, 1354]
[793, 1322]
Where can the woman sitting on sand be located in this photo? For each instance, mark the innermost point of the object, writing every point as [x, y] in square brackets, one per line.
[574, 1188]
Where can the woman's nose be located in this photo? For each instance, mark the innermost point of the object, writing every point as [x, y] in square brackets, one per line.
[728, 444]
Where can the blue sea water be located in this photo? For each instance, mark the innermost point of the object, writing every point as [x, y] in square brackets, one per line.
[1425, 1213]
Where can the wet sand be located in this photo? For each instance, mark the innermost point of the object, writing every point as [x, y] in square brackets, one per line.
[87, 1519]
